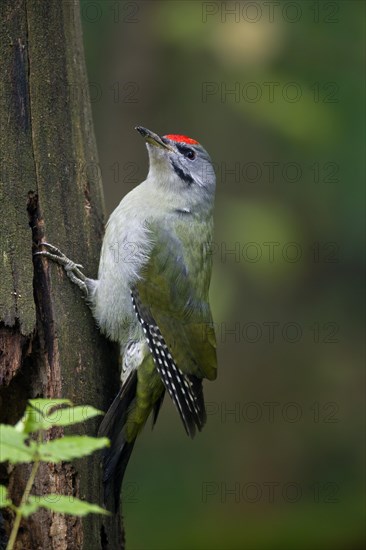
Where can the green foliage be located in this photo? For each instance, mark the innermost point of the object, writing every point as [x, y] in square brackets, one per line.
[70, 447]
[13, 446]
[4, 500]
[18, 444]
[66, 505]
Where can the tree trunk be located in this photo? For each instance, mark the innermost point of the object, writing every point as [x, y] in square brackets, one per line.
[50, 188]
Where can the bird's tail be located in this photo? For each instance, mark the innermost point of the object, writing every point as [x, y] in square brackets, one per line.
[116, 457]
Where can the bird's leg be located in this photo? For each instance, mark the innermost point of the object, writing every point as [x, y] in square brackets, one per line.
[72, 269]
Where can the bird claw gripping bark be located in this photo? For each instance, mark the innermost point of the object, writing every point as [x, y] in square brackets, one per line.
[71, 268]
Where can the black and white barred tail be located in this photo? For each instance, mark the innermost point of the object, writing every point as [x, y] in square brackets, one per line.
[185, 390]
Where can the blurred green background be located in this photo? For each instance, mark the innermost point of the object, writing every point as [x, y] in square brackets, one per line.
[274, 91]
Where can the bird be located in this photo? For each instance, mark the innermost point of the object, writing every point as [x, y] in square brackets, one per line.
[152, 295]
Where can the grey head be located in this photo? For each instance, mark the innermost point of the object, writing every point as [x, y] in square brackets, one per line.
[181, 167]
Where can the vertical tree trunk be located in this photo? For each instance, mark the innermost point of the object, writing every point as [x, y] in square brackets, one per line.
[50, 188]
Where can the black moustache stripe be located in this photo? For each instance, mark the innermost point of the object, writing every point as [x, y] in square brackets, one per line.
[187, 178]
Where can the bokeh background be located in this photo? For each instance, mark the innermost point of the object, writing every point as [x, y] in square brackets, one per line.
[274, 91]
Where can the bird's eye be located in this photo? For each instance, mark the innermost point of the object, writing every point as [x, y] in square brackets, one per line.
[190, 154]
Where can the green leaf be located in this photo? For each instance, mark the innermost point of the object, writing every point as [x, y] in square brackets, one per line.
[30, 422]
[36, 413]
[4, 500]
[13, 447]
[69, 447]
[29, 508]
[72, 415]
[64, 504]
[35, 420]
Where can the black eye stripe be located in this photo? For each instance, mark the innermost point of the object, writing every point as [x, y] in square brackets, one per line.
[183, 148]
[187, 178]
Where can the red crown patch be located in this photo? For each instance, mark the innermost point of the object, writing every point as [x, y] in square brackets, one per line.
[182, 139]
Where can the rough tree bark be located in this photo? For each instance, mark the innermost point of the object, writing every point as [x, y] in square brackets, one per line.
[50, 189]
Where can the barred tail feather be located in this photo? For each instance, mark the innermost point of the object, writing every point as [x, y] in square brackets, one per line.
[184, 390]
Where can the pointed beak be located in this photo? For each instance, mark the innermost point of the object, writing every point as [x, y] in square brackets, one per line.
[152, 138]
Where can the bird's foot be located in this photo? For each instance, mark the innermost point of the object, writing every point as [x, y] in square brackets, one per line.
[71, 268]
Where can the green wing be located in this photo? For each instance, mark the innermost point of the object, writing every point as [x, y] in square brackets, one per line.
[171, 300]
[174, 291]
